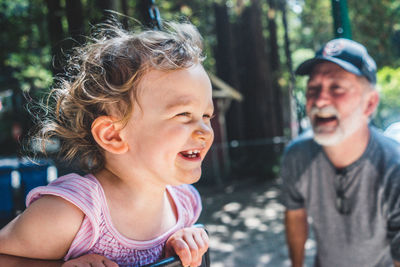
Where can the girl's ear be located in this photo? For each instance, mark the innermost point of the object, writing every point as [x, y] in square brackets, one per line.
[106, 131]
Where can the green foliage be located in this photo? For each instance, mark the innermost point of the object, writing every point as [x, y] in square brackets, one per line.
[389, 87]
[376, 24]
[301, 54]
[313, 26]
[200, 13]
[30, 69]
[25, 56]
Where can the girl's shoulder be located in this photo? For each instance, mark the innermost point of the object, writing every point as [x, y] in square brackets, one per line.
[82, 191]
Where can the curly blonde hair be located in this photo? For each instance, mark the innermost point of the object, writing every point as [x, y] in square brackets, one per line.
[103, 76]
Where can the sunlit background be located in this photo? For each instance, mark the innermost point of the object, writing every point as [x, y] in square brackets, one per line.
[251, 48]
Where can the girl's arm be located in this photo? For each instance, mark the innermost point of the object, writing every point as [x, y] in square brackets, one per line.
[14, 261]
[45, 230]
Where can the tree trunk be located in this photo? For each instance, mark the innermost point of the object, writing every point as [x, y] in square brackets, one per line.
[56, 33]
[124, 9]
[226, 66]
[292, 114]
[273, 38]
[76, 27]
[104, 6]
[255, 76]
[275, 66]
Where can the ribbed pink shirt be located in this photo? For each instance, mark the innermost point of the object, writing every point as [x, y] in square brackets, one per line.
[97, 233]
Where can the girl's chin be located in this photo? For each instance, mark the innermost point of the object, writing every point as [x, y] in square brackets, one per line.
[191, 179]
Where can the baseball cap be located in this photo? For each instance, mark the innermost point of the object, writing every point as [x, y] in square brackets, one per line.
[348, 54]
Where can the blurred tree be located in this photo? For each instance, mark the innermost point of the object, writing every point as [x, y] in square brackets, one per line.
[226, 67]
[376, 25]
[315, 25]
[275, 66]
[24, 61]
[255, 75]
[389, 107]
[75, 18]
[273, 35]
[55, 29]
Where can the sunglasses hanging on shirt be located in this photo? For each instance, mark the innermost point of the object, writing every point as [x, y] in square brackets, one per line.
[342, 202]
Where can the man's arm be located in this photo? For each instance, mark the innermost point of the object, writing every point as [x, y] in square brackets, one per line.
[396, 264]
[296, 234]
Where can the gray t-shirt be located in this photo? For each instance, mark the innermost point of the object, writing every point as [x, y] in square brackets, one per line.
[369, 235]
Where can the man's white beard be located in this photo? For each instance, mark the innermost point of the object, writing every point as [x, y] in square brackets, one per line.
[344, 128]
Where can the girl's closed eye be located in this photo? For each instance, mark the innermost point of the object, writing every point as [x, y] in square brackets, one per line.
[184, 114]
[209, 116]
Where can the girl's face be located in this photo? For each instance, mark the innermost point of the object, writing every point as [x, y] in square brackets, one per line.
[170, 131]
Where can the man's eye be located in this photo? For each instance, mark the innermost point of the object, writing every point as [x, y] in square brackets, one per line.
[338, 90]
[311, 92]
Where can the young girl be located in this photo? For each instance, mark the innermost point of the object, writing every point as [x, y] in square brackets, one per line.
[135, 109]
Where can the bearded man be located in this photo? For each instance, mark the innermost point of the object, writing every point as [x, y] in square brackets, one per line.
[345, 179]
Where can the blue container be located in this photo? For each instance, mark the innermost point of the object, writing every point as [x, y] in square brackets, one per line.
[33, 174]
[7, 205]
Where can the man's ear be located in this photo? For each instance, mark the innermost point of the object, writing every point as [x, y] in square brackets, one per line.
[372, 102]
[106, 131]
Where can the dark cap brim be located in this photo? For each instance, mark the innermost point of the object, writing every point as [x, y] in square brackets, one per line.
[307, 66]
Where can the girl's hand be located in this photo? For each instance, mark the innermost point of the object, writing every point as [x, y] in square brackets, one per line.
[189, 244]
[90, 260]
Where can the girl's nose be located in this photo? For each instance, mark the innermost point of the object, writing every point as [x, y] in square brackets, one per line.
[204, 131]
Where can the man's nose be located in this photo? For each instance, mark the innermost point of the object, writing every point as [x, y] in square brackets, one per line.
[322, 99]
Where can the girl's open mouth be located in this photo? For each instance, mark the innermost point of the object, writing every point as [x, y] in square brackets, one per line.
[190, 154]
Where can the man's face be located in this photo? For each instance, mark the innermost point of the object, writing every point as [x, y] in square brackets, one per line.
[336, 103]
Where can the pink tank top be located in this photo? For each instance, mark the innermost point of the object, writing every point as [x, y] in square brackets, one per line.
[98, 235]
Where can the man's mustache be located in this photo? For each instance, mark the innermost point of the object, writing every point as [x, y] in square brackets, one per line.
[324, 112]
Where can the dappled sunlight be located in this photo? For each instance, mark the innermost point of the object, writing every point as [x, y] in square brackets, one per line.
[311, 247]
[239, 235]
[252, 223]
[232, 207]
[221, 246]
[217, 229]
[264, 259]
[245, 225]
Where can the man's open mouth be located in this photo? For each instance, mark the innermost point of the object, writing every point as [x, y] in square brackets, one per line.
[324, 119]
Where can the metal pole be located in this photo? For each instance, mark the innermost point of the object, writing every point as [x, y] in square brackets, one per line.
[151, 14]
[341, 20]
